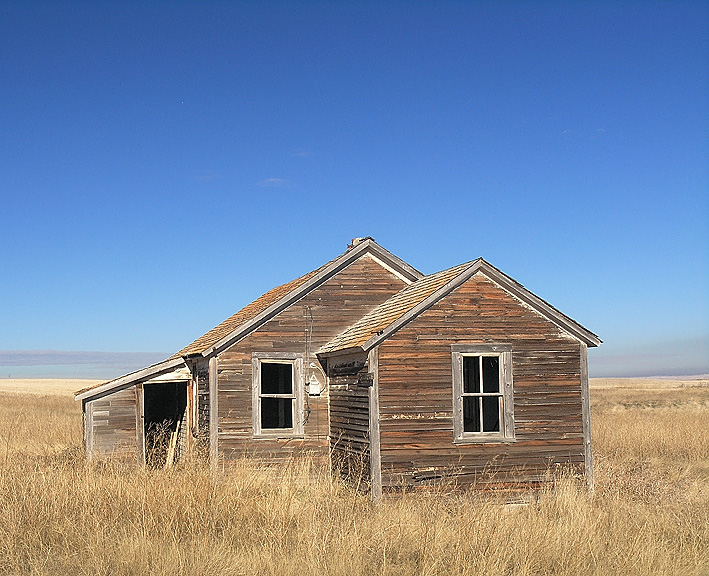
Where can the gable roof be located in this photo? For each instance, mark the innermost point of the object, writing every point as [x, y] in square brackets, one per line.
[274, 301]
[248, 312]
[374, 327]
[258, 312]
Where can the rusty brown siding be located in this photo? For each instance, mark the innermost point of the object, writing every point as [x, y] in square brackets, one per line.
[113, 425]
[334, 306]
[416, 397]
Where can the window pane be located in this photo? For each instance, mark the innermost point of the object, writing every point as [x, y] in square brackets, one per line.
[491, 413]
[491, 374]
[276, 378]
[276, 413]
[471, 374]
[471, 414]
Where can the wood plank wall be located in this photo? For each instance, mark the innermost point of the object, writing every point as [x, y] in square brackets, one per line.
[349, 427]
[113, 426]
[416, 398]
[334, 306]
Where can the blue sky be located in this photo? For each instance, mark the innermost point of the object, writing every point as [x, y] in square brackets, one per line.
[162, 164]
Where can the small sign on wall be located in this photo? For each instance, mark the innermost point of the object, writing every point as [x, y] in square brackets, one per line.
[314, 386]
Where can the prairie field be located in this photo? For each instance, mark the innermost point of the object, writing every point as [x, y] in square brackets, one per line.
[648, 514]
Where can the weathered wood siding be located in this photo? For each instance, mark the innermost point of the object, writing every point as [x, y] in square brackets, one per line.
[112, 422]
[334, 306]
[416, 397]
[349, 427]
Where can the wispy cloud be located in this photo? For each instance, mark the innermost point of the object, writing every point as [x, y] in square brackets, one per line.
[274, 183]
[302, 153]
[207, 176]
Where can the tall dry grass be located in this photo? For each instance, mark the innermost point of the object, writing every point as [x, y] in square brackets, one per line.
[648, 515]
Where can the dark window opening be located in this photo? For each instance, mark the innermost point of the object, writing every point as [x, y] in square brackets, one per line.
[491, 374]
[277, 396]
[491, 414]
[471, 414]
[276, 413]
[482, 397]
[276, 378]
[163, 411]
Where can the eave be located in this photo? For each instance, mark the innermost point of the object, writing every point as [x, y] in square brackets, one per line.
[130, 379]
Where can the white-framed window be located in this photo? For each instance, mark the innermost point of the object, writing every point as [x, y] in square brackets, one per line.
[277, 394]
[483, 404]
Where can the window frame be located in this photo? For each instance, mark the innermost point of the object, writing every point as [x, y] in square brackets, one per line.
[296, 361]
[504, 353]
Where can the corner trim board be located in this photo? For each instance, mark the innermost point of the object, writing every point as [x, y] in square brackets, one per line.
[140, 423]
[89, 429]
[213, 413]
[375, 453]
[586, 415]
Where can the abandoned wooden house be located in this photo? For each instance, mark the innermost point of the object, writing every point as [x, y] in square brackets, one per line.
[365, 363]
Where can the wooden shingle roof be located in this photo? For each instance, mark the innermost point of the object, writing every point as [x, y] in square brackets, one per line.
[258, 312]
[363, 335]
[248, 312]
[405, 305]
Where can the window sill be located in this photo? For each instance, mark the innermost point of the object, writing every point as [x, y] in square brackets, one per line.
[278, 436]
[484, 440]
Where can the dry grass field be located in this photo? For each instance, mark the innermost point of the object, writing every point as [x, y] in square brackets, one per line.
[44, 387]
[649, 513]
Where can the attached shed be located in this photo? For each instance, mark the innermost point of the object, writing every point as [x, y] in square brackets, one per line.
[139, 417]
[368, 365]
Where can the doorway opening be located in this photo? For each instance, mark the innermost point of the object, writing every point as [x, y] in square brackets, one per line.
[164, 406]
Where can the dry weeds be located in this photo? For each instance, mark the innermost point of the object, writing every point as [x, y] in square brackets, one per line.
[648, 515]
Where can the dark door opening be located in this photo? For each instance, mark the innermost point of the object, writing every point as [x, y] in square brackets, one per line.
[164, 406]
